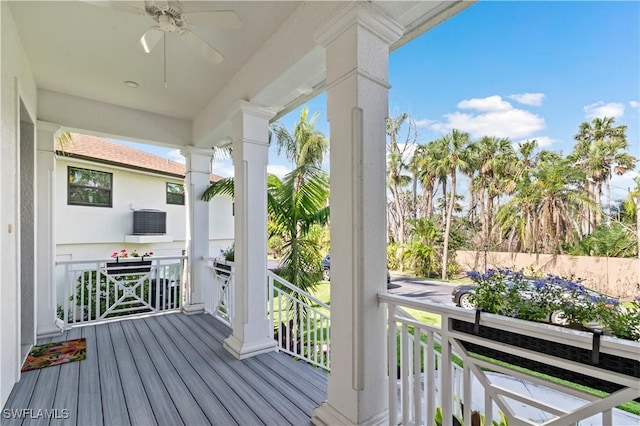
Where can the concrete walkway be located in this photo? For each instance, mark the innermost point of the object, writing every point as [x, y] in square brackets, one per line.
[541, 394]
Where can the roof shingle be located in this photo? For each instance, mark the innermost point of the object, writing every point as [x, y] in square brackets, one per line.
[108, 152]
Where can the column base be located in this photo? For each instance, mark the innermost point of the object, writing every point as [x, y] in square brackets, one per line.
[327, 415]
[193, 308]
[242, 350]
[48, 331]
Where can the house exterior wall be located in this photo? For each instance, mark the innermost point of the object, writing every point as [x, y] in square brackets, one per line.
[88, 232]
[16, 81]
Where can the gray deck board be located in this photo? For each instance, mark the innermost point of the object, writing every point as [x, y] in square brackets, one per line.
[133, 389]
[251, 388]
[89, 394]
[165, 414]
[237, 408]
[168, 370]
[66, 395]
[183, 375]
[294, 402]
[114, 408]
[181, 396]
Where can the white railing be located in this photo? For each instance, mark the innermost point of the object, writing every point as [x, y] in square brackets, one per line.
[428, 386]
[98, 290]
[302, 321]
[219, 295]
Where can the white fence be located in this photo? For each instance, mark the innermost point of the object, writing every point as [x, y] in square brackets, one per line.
[427, 386]
[97, 290]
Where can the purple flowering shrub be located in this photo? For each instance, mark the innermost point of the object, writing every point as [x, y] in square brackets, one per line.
[510, 293]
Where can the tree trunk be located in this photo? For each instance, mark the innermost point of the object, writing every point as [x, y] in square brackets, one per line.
[415, 196]
[608, 201]
[444, 197]
[447, 227]
[489, 213]
[399, 214]
[637, 200]
[597, 198]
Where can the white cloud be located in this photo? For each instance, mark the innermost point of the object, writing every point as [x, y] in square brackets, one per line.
[490, 104]
[176, 156]
[425, 122]
[497, 118]
[278, 170]
[533, 99]
[600, 110]
[635, 104]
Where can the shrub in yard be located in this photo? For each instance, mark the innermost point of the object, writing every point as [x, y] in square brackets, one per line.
[510, 293]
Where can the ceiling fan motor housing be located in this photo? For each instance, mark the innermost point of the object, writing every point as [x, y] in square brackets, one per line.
[168, 19]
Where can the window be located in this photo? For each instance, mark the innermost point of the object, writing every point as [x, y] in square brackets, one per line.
[89, 187]
[175, 193]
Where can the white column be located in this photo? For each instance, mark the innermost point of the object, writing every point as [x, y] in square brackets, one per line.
[357, 43]
[251, 328]
[45, 195]
[197, 179]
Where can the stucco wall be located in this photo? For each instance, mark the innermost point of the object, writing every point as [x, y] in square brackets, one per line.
[15, 78]
[614, 276]
[86, 232]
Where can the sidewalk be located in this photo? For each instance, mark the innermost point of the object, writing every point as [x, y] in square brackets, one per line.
[542, 394]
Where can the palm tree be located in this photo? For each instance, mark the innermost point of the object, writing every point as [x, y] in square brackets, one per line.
[424, 159]
[454, 157]
[297, 202]
[306, 145]
[601, 151]
[396, 165]
[547, 208]
[493, 158]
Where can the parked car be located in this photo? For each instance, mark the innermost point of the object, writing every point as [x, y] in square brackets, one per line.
[326, 270]
[461, 296]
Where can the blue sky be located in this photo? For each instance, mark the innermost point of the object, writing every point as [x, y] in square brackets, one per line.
[521, 70]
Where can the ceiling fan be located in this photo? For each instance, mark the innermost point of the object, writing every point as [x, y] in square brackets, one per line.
[170, 17]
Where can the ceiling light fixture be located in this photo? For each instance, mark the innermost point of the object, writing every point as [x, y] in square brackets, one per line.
[131, 84]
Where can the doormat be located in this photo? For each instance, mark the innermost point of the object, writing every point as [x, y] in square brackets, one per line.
[57, 353]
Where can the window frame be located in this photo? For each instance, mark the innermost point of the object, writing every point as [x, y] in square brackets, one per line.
[167, 194]
[71, 185]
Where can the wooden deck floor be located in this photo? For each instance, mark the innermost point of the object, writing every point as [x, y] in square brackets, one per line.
[167, 370]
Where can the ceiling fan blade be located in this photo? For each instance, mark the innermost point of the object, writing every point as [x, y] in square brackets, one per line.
[149, 39]
[136, 7]
[207, 52]
[216, 18]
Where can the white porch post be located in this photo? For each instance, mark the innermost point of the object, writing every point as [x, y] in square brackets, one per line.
[46, 302]
[357, 43]
[251, 333]
[197, 179]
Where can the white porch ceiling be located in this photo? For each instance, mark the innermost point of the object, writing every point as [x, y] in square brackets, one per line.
[87, 52]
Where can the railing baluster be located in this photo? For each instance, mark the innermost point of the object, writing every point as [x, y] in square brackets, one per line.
[392, 366]
[466, 394]
[417, 388]
[404, 373]
[445, 373]
[429, 380]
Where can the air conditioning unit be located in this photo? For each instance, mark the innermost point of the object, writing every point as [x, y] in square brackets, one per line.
[149, 222]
